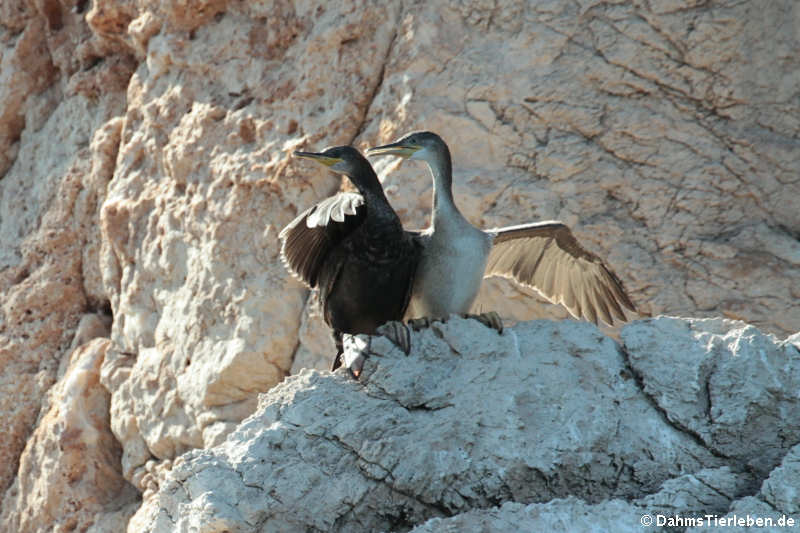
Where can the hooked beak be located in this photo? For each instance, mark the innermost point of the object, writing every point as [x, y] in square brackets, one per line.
[400, 148]
[319, 158]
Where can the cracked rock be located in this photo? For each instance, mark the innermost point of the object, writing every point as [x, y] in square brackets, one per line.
[733, 386]
[545, 412]
[144, 175]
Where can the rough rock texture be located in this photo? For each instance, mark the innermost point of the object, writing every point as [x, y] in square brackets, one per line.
[205, 313]
[738, 406]
[690, 497]
[48, 255]
[777, 499]
[144, 175]
[664, 133]
[57, 147]
[472, 419]
[69, 477]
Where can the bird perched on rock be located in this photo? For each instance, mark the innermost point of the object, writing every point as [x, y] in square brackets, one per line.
[353, 248]
[456, 255]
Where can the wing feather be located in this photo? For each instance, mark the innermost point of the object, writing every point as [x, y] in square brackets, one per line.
[308, 239]
[600, 304]
[546, 257]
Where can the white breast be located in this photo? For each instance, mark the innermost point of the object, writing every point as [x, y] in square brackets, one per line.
[450, 273]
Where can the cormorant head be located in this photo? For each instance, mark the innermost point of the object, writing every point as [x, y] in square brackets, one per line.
[348, 161]
[423, 145]
[342, 159]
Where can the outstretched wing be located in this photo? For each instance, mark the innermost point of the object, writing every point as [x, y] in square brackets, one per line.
[307, 240]
[546, 257]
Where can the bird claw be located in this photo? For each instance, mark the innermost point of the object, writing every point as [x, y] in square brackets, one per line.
[490, 319]
[398, 333]
[419, 323]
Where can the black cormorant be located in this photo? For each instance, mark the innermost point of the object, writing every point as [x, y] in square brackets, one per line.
[353, 248]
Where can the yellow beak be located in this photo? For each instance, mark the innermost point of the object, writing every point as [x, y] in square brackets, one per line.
[397, 148]
[319, 158]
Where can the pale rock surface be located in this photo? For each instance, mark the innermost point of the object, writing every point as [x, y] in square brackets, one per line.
[56, 138]
[546, 412]
[316, 346]
[206, 315]
[778, 499]
[144, 175]
[47, 242]
[25, 69]
[780, 489]
[556, 516]
[738, 406]
[663, 133]
[708, 491]
[69, 477]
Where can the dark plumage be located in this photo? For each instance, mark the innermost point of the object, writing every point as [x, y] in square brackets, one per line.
[352, 247]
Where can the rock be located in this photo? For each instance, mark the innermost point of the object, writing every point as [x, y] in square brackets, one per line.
[776, 504]
[17, 83]
[46, 287]
[315, 348]
[546, 413]
[780, 489]
[206, 315]
[559, 515]
[727, 383]
[144, 176]
[640, 125]
[711, 490]
[745, 515]
[690, 499]
[69, 474]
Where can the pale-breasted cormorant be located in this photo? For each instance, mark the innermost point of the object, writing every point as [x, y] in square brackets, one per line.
[456, 255]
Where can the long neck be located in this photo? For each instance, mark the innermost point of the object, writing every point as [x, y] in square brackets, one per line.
[367, 183]
[444, 208]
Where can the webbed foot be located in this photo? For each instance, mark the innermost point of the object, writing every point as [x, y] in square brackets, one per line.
[398, 333]
[490, 319]
[419, 323]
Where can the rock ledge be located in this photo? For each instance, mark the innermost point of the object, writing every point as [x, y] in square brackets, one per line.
[474, 431]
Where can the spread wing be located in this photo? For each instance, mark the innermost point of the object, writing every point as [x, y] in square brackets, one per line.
[307, 240]
[546, 257]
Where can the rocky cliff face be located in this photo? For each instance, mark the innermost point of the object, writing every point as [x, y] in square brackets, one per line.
[546, 412]
[144, 175]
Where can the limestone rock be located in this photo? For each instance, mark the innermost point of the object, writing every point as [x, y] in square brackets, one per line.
[144, 175]
[560, 515]
[663, 133]
[469, 420]
[69, 474]
[781, 489]
[43, 243]
[206, 315]
[315, 348]
[691, 496]
[56, 141]
[738, 405]
[27, 49]
[776, 501]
